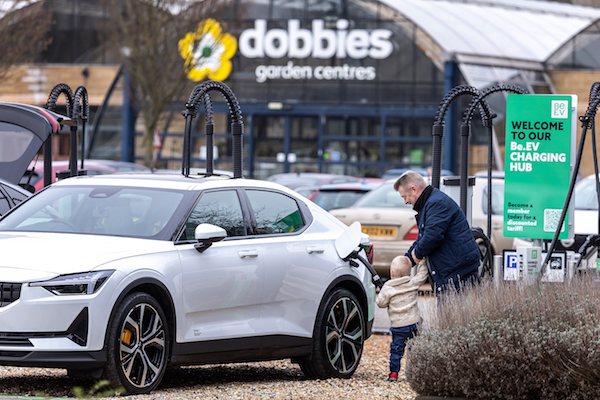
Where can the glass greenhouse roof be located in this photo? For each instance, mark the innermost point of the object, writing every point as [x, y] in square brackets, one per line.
[508, 33]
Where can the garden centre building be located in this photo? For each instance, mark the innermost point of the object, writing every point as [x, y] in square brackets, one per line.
[345, 86]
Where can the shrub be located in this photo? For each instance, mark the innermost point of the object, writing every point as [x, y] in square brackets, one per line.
[511, 342]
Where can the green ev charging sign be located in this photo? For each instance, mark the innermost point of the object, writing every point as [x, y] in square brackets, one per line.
[540, 141]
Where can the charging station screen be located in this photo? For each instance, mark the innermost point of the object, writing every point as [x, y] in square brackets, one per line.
[540, 136]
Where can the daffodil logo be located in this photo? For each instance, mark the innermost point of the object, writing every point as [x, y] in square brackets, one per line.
[208, 51]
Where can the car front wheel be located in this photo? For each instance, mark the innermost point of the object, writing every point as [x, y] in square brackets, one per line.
[138, 347]
[339, 337]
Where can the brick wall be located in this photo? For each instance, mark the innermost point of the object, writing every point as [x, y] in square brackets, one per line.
[579, 83]
[32, 84]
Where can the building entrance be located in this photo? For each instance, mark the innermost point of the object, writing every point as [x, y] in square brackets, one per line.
[285, 144]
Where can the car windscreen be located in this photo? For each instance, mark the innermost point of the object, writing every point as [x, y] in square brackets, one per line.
[102, 210]
[331, 199]
[382, 196]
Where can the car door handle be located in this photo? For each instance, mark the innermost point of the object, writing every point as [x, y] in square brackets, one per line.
[314, 249]
[247, 254]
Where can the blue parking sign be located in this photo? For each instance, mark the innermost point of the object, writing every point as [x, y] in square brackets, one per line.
[511, 261]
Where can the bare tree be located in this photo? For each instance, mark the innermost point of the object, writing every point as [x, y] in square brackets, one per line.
[148, 34]
[23, 32]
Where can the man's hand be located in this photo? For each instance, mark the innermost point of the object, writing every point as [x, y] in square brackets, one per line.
[414, 257]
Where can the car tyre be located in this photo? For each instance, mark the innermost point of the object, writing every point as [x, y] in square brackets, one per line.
[338, 338]
[138, 345]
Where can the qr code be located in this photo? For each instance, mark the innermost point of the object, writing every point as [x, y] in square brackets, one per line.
[551, 218]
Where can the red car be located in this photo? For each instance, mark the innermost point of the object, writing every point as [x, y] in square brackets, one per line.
[35, 173]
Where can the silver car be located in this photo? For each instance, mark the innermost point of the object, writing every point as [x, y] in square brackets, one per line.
[127, 274]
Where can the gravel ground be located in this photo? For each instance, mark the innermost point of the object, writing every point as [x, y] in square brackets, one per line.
[261, 380]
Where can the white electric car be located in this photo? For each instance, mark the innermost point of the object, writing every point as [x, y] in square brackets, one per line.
[122, 275]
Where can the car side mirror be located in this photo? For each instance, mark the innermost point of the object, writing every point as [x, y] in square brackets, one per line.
[206, 235]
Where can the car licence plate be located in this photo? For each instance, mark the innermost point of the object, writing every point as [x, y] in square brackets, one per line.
[379, 231]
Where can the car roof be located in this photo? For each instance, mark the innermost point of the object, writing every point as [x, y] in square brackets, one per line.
[168, 181]
[362, 185]
[399, 171]
[116, 164]
[297, 179]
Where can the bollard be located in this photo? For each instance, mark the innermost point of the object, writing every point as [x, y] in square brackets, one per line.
[498, 270]
[571, 270]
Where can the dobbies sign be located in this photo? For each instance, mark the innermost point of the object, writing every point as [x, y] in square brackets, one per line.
[318, 43]
[540, 136]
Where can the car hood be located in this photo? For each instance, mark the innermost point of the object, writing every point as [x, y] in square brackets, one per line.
[379, 215]
[33, 255]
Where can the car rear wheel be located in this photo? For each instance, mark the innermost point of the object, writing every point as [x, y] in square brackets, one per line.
[339, 337]
[138, 345]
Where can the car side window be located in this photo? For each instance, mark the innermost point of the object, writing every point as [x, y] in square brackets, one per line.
[274, 212]
[221, 208]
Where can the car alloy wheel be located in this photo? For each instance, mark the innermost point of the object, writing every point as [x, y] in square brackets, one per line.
[138, 345]
[340, 336]
[344, 335]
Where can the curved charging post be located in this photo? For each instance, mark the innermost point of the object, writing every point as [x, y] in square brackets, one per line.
[487, 122]
[80, 111]
[465, 129]
[75, 111]
[438, 127]
[61, 88]
[587, 120]
[200, 93]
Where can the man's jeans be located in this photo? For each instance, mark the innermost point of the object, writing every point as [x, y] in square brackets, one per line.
[399, 338]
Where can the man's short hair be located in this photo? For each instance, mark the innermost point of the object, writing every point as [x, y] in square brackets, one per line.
[401, 266]
[410, 178]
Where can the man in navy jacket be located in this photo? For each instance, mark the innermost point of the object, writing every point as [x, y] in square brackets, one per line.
[445, 237]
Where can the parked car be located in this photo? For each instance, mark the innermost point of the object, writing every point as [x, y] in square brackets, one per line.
[306, 191]
[127, 274]
[392, 227]
[35, 173]
[396, 172]
[193, 172]
[390, 223]
[296, 180]
[11, 195]
[585, 218]
[479, 209]
[120, 166]
[341, 195]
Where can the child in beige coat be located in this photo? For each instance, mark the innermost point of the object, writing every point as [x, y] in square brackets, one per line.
[400, 295]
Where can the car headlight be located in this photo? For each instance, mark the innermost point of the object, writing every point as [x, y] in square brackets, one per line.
[84, 283]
